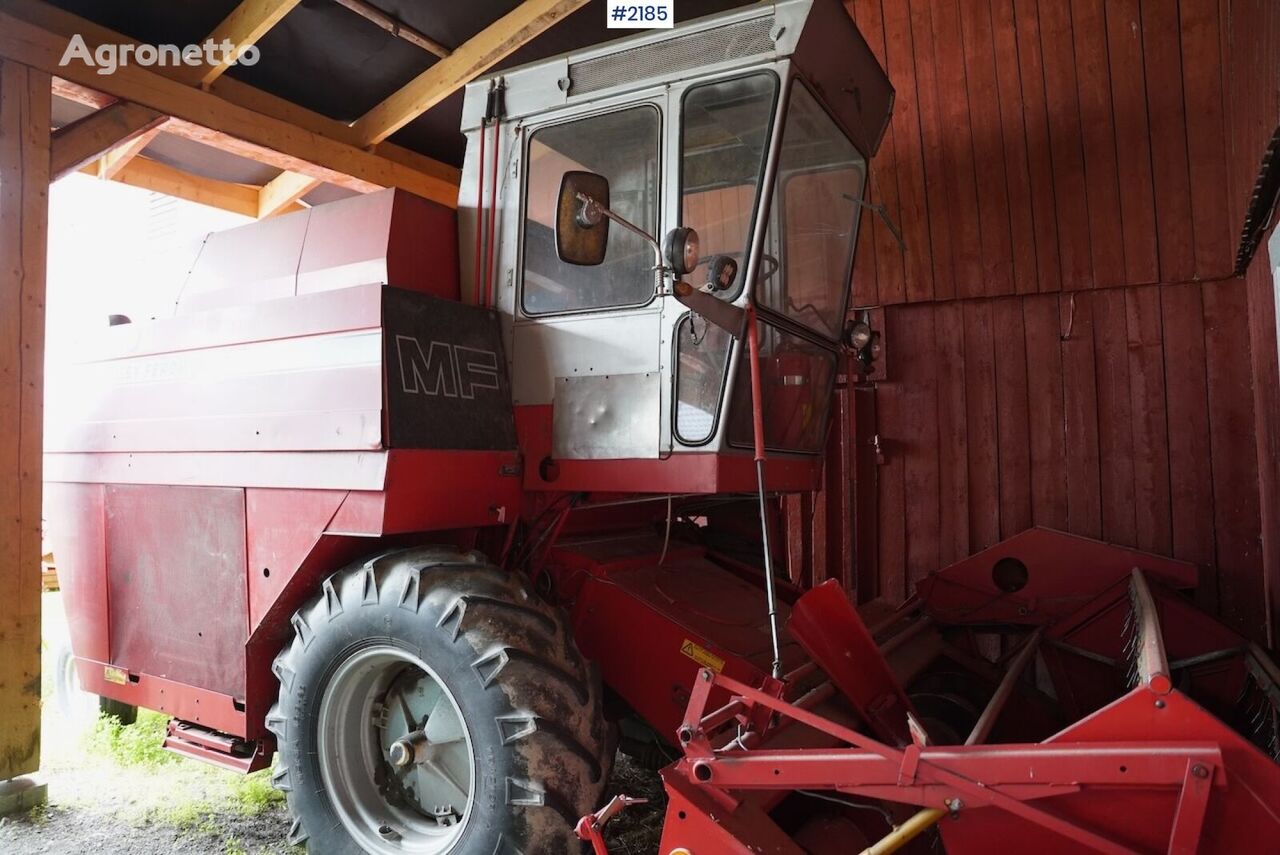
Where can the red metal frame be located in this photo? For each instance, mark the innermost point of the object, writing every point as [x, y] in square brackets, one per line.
[1151, 770]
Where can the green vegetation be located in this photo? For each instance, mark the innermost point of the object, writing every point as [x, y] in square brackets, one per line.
[139, 744]
[253, 794]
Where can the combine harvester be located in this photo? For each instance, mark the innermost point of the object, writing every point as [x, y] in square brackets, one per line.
[440, 514]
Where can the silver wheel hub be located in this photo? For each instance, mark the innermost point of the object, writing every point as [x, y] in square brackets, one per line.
[395, 754]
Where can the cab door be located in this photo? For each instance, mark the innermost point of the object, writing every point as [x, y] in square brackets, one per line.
[588, 340]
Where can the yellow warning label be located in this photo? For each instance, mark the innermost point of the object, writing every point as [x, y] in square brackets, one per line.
[702, 656]
[115, 675]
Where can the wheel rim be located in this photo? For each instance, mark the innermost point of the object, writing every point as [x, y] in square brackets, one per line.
[395, 753]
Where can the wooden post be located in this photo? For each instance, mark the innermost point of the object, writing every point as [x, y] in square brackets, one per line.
[25, 96]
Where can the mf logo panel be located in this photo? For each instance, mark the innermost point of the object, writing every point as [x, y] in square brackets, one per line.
[447, 383]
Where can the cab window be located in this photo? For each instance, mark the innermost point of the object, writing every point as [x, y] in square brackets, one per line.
[808, 256]
[624, 147]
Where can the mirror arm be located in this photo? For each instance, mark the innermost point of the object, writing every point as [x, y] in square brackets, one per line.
[648, 238]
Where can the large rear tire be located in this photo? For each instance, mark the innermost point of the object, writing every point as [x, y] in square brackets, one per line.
[430, 703]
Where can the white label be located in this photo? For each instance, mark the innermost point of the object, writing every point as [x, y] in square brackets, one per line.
[640, 14]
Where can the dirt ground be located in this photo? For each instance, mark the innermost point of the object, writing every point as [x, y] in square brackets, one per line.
[114, 791]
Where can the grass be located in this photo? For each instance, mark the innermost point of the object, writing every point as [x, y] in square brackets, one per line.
[139, 744]
[252, 795]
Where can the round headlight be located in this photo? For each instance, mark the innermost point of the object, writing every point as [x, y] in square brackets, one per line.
[682, 250]
[859, 335]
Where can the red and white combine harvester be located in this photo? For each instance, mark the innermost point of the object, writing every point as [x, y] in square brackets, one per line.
[441, 512]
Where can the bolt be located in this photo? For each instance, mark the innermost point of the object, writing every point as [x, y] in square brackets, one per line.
[1199, 771]
[1159, 704]
[954, 805]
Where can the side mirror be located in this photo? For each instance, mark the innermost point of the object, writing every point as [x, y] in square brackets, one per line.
[582, 229]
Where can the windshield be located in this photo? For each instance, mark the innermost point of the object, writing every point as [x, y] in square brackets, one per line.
[807, 259]
[724, 139]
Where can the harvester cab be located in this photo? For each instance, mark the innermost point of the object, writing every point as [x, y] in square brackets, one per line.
[623, 206]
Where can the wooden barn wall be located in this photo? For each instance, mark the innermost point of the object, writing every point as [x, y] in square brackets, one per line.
[1066, 344]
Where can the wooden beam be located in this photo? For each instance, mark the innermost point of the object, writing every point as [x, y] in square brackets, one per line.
[289, 146]
[396, 27]
[148, 174]
[481, 52]
[24, 211]
[241, 29]
[95, 135]
[56, 20]
[110, 164]
[281, 192]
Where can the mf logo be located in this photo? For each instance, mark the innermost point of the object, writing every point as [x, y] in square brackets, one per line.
[445, 369]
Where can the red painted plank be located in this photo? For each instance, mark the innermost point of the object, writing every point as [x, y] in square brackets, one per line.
[953, 435]
[866, 475]
[1190, 473]
[1035, 111]
[908, 152]
[984, 459]
[1046, 416]
[1213, 221]
[1066, 145]
[1093, 77]
[1115, 421]
[892, 415]
[1012, 418]
[1132, 142]
[937, 201]
[865, 286]
[1162, 56]
[957, 142]
[1150, 420]
[917, 361]
[1080, 397]
[884, 173]
[1013, 129]
[1233, 448]
[988, 148]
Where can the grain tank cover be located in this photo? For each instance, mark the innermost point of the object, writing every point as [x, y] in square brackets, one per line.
[389, 237]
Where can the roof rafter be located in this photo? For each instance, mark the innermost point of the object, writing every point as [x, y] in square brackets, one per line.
[85, 140]
[241, 29]
[281, 192]
[480, 53]
[292, 147]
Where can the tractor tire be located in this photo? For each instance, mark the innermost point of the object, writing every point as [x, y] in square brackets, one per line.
[430, 703]
[78, 706]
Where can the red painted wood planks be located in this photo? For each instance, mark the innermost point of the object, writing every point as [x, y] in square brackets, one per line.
[988, 148]
[1213, 221]
[937, 199]
[1190, 471]
[1080, 398]
[1132, 142]
[953, 434]
[917, 362]
[957, 147]
[1115, 428]
[1012, 418]
[1093, 80]
[1013, 128]
[1162, 59]
[980, 398]
[1233, 449]
[909, 153]
[1150, 420]
[1066, 144]
[1046, 416]
[1035, 112]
